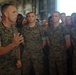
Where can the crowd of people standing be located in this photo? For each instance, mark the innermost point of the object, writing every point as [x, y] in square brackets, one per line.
[28, 47]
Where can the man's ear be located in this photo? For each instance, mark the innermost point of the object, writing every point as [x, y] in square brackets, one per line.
[6, 14]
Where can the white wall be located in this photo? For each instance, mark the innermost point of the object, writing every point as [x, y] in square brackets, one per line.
[67, 6]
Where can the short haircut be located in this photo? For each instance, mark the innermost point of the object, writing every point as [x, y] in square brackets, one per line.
[73, 14]
[30, 13]
[68, 16]
[19, 16]
[5, 6]
[63, 13]
[56, 12]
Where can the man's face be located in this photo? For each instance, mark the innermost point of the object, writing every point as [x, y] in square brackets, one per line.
[72, 18]
[68, 20]
[55, 17]
[31, 18]
[11, 14]
[43, 22]
[63, 17]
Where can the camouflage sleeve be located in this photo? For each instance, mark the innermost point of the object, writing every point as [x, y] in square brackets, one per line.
[42, 33]
[48, 34]
[66, 33]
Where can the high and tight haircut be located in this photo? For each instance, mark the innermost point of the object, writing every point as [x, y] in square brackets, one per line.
[5, 6]
[63, 13]
[56, 12]
[30, 13]
[73, 14]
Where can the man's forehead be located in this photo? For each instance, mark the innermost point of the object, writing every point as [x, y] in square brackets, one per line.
[11, 7]
[63, 15]
[56, 13]
[31, 14]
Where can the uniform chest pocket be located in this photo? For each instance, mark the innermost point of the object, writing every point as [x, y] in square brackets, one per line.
[36, 33]
[32, 34]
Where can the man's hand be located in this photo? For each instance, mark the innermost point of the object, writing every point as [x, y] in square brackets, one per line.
[17, 39]
[19, 64]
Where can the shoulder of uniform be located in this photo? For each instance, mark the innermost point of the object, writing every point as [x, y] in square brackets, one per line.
[61, 25]
[38, 24]
[40, 27]
[25, 26]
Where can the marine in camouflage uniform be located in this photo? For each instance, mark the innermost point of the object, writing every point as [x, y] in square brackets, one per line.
[33, 54]
[8, 60]
[73, 38]
[57, 52]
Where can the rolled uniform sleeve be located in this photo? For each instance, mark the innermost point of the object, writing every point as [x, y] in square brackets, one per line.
[67, 36]
[43, 38]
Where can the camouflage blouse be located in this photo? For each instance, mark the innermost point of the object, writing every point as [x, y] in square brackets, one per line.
[6, 36]
[33, 36]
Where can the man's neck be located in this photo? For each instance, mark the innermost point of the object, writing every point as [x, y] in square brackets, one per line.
[32, 24]
[6, 23]
[56, 24]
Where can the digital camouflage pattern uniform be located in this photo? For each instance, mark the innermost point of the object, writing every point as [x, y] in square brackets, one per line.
[8, 60]
[33, 54]
[57, 52]
[73, 37]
